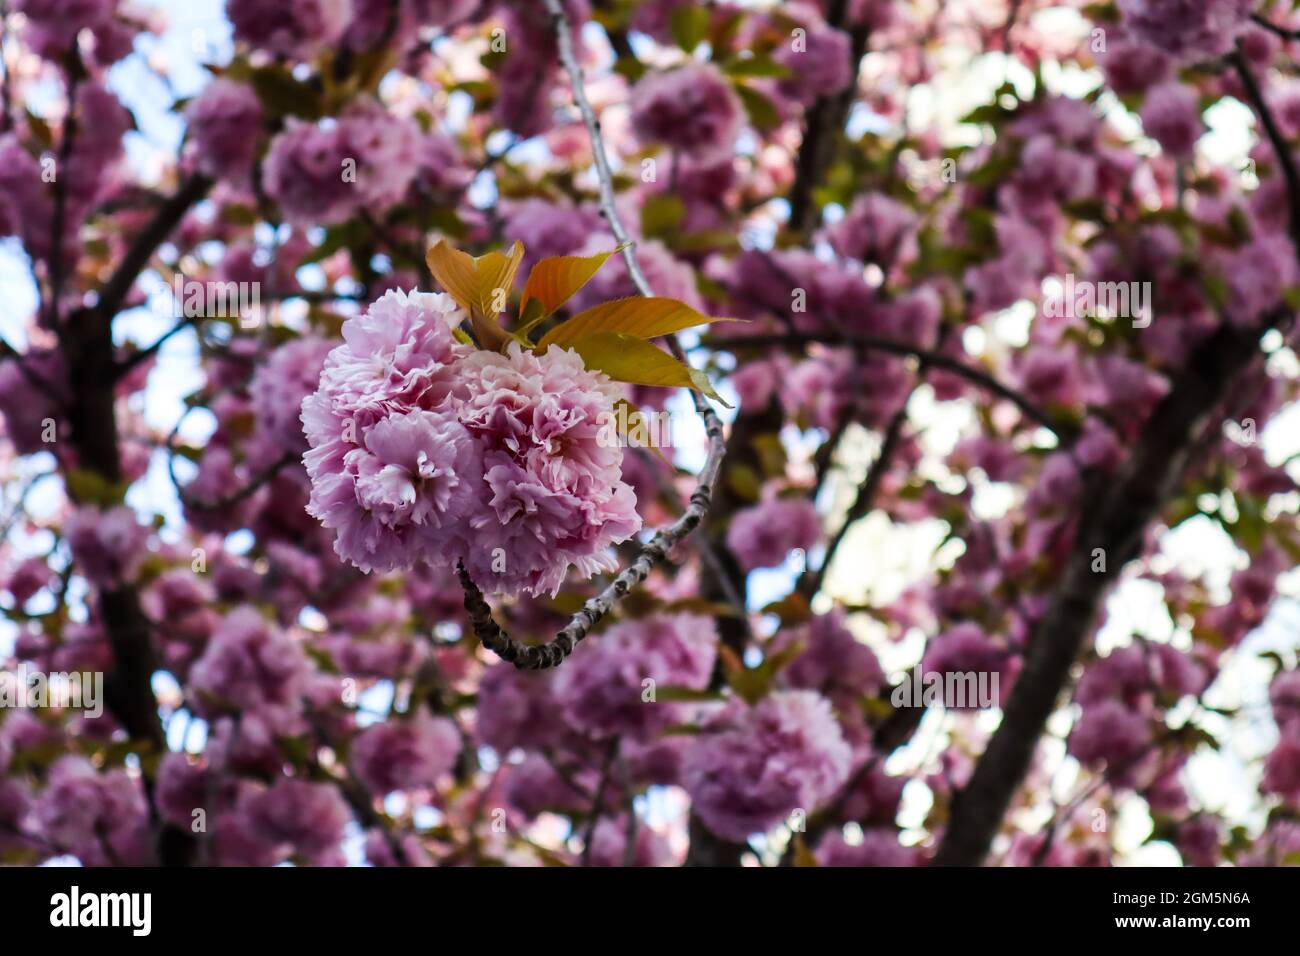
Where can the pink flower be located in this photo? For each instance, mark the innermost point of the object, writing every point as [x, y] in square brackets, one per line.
[405, 754]
[1198, 840]
[609, 845]
[30, 394]
[404, 495]
[517, 709]
[692, 109]
[534, 786]
[367, 158]
[820, 62]
[388, 150]
[763, 535]
[1284, 696]
[879, 847]
[833, 661]
[182, 788]
[304, 172]
[965, 649]
[759, 765]
[102, 818]
[28, 578]
[248, 664]
[873, 229]
[108, 546]
[554, 496]
[225, 121]
[1171, 116]
[298, 29]
[289, 375]
[53, 25]
[1257, 274]
[308, 817]
[425, 450]
[603, 690]
[1133, 67]
[1282, 768]
[1188, 29]
[1110, 733]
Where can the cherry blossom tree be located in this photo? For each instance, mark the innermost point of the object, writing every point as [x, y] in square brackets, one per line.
[597, 432]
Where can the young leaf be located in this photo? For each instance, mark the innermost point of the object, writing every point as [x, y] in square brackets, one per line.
[554, 280]
[496, 277]
[455, 272]
[627, 358]
[639, 316]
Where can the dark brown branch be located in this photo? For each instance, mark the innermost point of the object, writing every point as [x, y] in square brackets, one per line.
[155, 232]
[810, 582]
[1286, 33]
[823, 124]
[1281, 147]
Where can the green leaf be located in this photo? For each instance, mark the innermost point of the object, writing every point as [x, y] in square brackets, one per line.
[627, 358]
[89, 487]
[661, 215]
[646, 317]
[689, 24]
[283, 95]
[759, 65]
[762, 111]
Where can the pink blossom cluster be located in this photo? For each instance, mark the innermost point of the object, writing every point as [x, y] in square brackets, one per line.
[603, 689]
[754, 767]
[763, 535]
[326, 172]
[295, 28]
[691, 109]
[225, 121]
[53, 26]
[424, 450]
[1187, 29]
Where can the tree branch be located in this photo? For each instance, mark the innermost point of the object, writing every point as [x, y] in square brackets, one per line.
[824, 121]
[169, 214]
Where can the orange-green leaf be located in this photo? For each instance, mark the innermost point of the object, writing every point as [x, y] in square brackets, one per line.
[554, 280]
[455, 271]
[639, 316]
[478, 285]
[496, 277]
[627, 358]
